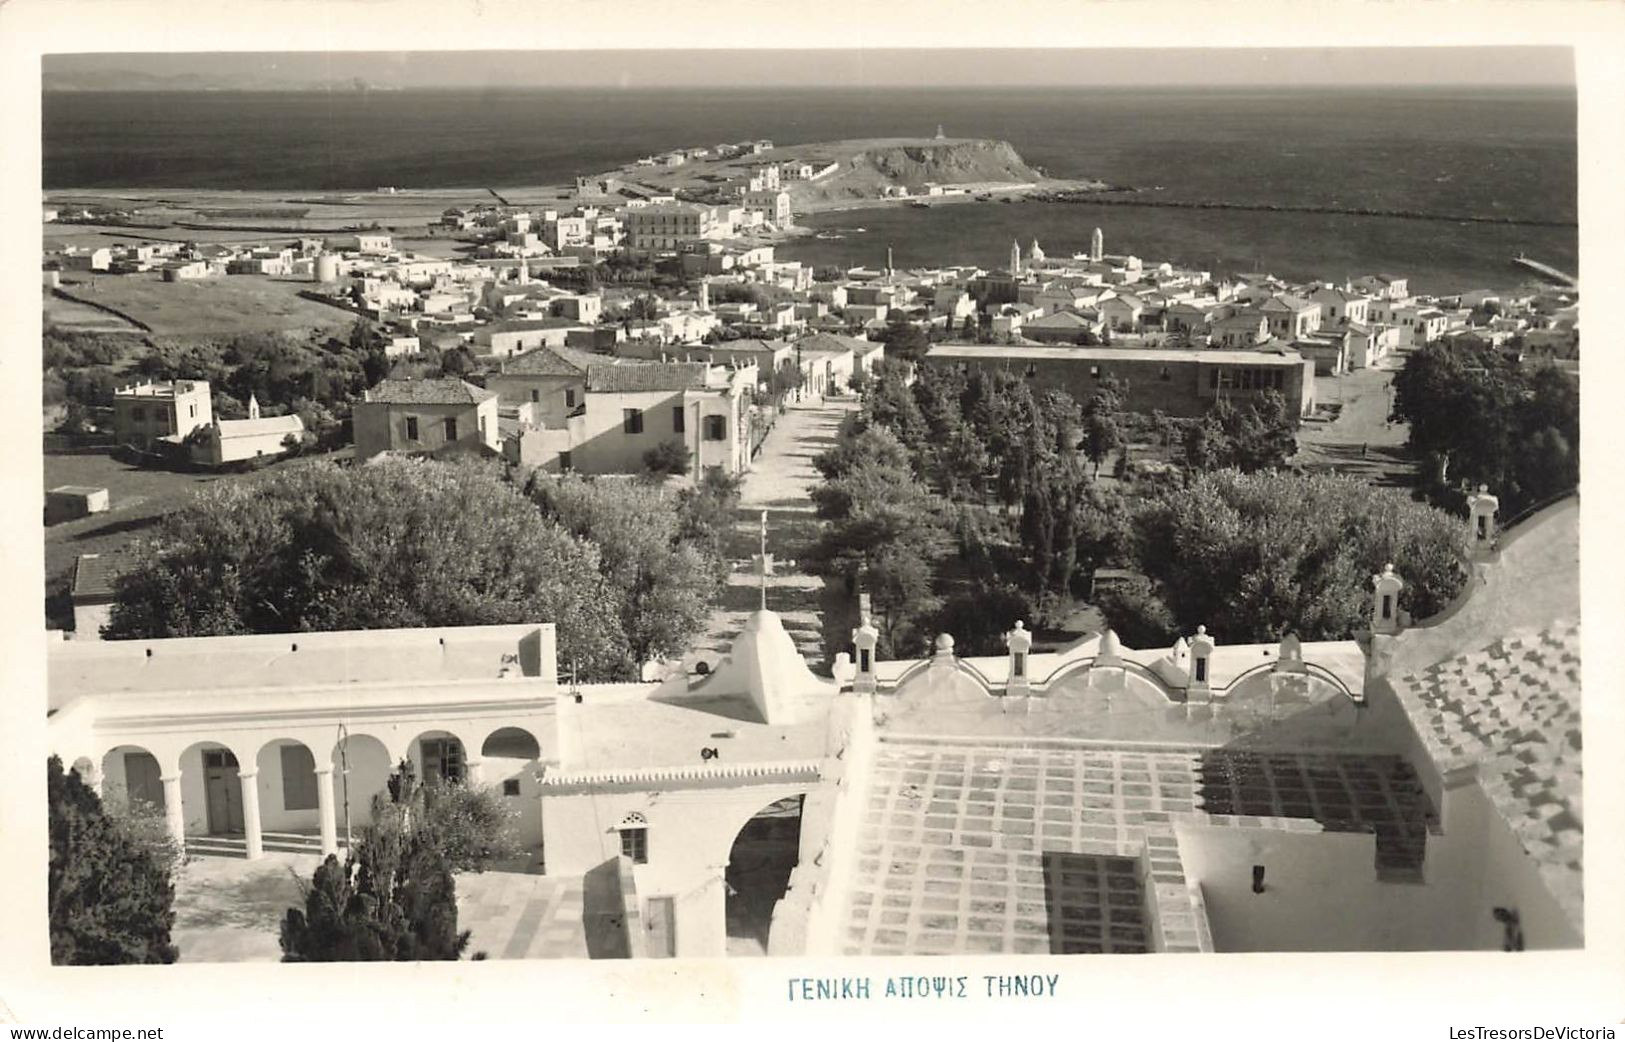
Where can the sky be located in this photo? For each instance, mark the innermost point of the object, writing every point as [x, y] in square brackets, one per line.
[1510, 66]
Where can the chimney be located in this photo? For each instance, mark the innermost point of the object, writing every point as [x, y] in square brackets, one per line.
[1020, 643]
[864, 640]
[1201, 674]
[1385, 605]
[1481, 510]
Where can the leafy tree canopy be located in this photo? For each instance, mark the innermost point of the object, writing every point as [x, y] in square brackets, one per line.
[396, 543]
[1256, 556]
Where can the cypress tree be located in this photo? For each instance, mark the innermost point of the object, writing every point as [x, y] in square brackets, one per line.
[111, 900]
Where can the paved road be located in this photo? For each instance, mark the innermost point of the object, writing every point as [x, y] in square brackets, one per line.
[1360, 442]
[780, 482]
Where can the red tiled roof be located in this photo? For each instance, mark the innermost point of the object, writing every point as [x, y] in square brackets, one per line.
[450, 391]
[647, 376]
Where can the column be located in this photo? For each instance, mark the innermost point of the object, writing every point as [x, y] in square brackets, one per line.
[173, 811]
[251, 813]
[473, 772]
[324, 809]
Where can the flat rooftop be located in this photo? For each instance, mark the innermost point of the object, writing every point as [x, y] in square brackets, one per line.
[623, 728]
[994, 353]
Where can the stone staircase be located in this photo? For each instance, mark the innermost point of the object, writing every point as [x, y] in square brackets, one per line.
[236, 846]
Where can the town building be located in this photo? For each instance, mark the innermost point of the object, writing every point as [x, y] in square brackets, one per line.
[1179, 382]
[425, 416]
[669, 226]
[1290, 317]
[237, 441]
[147, 412]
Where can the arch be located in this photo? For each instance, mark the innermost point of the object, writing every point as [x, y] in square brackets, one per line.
[1314, 671]
[211, 788]
[287, 783]
[1067, 669]
[510, 742]
[362, 764]
[509, 758]
[765, 850]
[439, 756]
[131, 778]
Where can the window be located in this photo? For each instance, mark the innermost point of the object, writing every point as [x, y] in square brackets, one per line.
[1213, 378]
[298, 778]
[863, 660]
[635, 845]
[411, 428]
[451, 428]
[679, 419]
[1387, 607]
[1019, 666]
[1201, 670]
[1094, 372]
[569, 397]
[510, 786]
[193, 413]
[716, 428]
[1165, 375]
[564, 460]
[632, 421]
[536, 396]
[442, 760]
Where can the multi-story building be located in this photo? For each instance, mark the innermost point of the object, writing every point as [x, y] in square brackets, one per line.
[1290, 317]
[601, 416]
[146, 412]
[1183, 383]
[425, 416]
[772, 204]
[668, 226]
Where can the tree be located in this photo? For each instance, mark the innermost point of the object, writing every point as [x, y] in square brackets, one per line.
[1257, 436]
[883, 531]
[398, 543]
[392, 899]
[979, 619]
[1486, 418]
[670, 458]
[659, 584]
[1103, 423]
[705, 516]
[110, 899]
[1254, 556]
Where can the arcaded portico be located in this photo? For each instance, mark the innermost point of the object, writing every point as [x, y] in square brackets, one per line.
[297, 733]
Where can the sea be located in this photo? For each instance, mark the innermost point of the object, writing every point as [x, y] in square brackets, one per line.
[1504, 153]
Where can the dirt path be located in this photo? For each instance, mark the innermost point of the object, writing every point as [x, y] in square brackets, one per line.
[1360, 442]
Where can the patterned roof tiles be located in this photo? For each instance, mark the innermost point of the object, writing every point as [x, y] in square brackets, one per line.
[1510, 711]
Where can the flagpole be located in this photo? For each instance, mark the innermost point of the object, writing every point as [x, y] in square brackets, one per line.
[764, 560]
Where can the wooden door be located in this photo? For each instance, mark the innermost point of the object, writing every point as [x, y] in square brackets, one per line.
[223, 792]
[662, 927]
[143, 783]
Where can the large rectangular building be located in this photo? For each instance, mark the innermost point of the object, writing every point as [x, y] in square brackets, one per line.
[1178, 382]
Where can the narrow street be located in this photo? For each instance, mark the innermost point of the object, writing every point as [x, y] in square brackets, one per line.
[780, 482]
[1360, 442]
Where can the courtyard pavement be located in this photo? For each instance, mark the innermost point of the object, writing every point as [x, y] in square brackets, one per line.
[229, 909]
